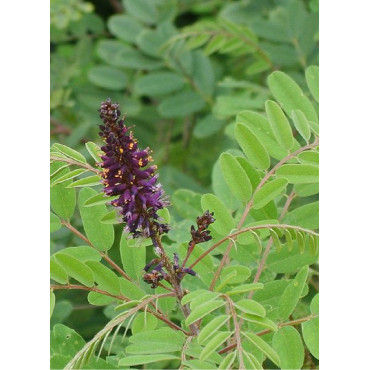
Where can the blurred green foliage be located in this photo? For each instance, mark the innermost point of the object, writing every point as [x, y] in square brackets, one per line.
[181, 70]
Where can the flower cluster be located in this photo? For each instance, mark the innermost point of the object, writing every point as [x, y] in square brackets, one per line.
[126, 174]
[157, 273]
[201, 235]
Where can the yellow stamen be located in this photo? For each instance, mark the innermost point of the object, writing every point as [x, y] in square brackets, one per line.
[120, 150]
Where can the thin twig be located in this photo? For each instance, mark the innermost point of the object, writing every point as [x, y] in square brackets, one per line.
[237, 331]
[104, 255]
[90, 289]
[72, 162]
[183, 352]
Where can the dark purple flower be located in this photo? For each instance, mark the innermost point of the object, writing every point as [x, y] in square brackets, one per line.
[201, 235]
[157, 274]
[127, 174]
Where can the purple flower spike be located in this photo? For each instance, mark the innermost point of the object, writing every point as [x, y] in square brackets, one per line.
[126, 174]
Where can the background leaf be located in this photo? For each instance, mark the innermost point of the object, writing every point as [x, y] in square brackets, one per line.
[100, 235]
[290, 96]
[235, 177]
[252, 147]
[288, 344]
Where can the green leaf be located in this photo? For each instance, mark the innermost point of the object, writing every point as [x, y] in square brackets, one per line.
[245, 288]
[306, 190]
[111, 218]
[299, 173]
[187, 203]
[164, 215]
[264, 347]
[68, 176]
[143, 322]
[57, 273]
[124, 27]
[215, 44]
[76, 269]
[207, 126]
[309, 157]
[263, 321]
[133, 259]
[213, 344]
[250, 306]
[314, 306]
[142, 10]
[180, 105]
[213, 326]
[94, 151]
[54, 222]
[301, 124]
[52, 302]
[104, 277]
[310, 332]
[301, 239]
[97, 199]
[306, 216]
[86, 181]
[235, 177]
[203, 310]
[228, 361]
[107, 77]
[58, 170]
[203, 74]
[269, 192]
[279, 124]
[290, 96]
[122, 55]
[100, 235]
[205, 297]
[130, 290]
[159, 83]
[288, 344]
[196, 41]
[289, 240]
[224, 222]
[252, 173]
[64, 344]
[276, 240]
[160, 340]
[82, 253]
[292, 293]
[242, 273]
[145, 359]
[151, 348]
[260, 126]
[71, 153]
[312, 79]
[221, 189]
[98, 299]
[251, 362]
[252, 147]
[62, 199]
[187, 298]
